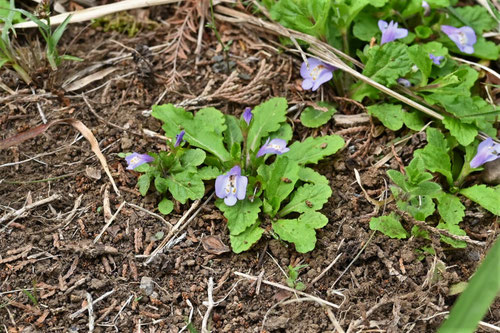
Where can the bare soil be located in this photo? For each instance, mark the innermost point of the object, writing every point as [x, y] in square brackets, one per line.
[49, 263]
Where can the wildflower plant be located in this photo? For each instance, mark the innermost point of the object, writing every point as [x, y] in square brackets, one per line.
[417, 193]
[262, 182]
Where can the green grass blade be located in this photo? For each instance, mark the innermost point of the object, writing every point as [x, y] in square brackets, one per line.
[473, 303]
[59, 31]
[35, 19]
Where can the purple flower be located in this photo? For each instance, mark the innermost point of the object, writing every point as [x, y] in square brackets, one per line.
[247, 115]
[464, 37]
[275, 146]
[404, 82]
[315, 72]
[135, 159]
[390, 31]
[436, 59]
[231, 186]
[487, 151]
[178, 138]
[426, 7]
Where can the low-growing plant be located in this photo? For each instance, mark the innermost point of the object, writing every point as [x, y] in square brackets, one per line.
[418, 194]
[8, 53]
[293, 275]
[256, 191]
[51, 37]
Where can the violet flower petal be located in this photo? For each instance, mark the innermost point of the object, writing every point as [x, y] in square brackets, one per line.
[436, 59]
[426, 7]
[221, 182]
[247, 115]
[231, 186]
[404, 82]
[179, 137]
[323, 77]
[487, 151]
[136, 159]
[275, 146]
[315, 73]
[463, 37]
[391, 32]
[241, 187]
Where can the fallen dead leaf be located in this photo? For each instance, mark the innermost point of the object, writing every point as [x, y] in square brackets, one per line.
[214, 245]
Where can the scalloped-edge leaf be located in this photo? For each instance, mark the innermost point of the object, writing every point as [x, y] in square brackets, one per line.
[185, 185]
[301, 231]
[312, 149]
[308, 197]
[486, 197]
[389, 225]
[201, 130]
[247, 238]
[267, 118]
[143, 183]
[240, 216]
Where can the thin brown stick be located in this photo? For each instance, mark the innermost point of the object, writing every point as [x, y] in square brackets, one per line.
[280, 286]
[443, 232]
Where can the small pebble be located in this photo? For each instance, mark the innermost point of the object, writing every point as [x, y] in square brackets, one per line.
[147, 285]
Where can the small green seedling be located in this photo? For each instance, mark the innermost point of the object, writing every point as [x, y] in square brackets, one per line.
[293, 275]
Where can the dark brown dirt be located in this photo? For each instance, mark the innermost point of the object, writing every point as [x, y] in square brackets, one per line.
[388, 288]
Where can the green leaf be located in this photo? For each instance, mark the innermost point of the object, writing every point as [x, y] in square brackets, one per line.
[144, 182]
[208, 172]
[240, 216]
[421, 58]
[57, 34]
[279, 181]
[314, 118]
[486, 197]
[388, 63]
[285, 132]
[413, 120]
[476, 17]
[486, 49]
[185, 185]
[391, 115]
[450, 208]
[398, 178]
[365, 27]
[71, 58]
[308, 175]
[455, 230]
[389, 225]
[201, 130]
[301, 231]
[306, 16]
[435, 155]
[165, 206]
[233, 133]
[267, 118]
[161, 184]
[423, 31]
[308, 197]
[314, 149]
[474, 302]
[419, 207]
[192, 158]
[464, 133]
[246, 239]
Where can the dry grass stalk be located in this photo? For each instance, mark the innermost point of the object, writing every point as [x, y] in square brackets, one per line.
[98, 11]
